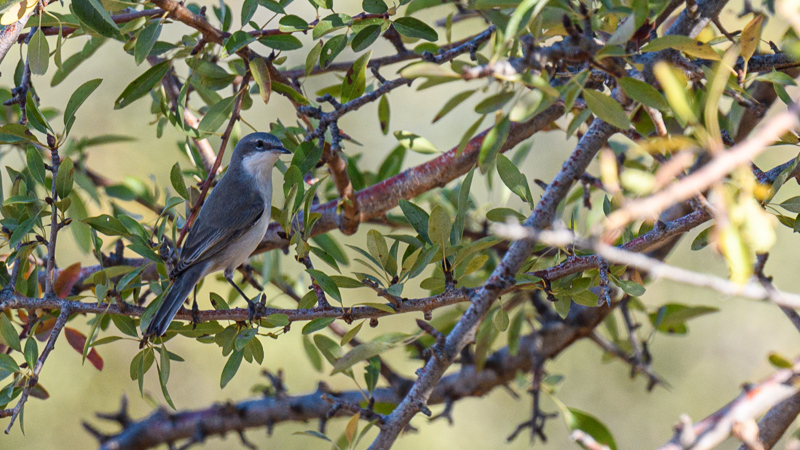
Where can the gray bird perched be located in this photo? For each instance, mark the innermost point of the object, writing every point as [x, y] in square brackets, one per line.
[231, 223]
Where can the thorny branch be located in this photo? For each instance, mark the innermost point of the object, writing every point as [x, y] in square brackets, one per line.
[715, 428]
[33, 378]
[500, 368]
[237, 108]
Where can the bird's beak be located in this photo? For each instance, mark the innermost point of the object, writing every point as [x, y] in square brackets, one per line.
[283, 151]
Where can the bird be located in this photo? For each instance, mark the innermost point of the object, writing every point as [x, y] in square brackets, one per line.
[231, 223]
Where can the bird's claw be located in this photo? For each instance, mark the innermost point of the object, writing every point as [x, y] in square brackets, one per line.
[195, 315]
[256, 309]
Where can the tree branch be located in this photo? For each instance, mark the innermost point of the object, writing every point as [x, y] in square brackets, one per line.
[748, 405]
[712, 172]
[501, 277]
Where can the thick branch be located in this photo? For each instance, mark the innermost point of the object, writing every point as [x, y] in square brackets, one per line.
[499, 370]
[377, 199]
[503, 276]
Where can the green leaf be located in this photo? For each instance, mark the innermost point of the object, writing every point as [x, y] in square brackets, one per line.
[313, 57]
[329, 348]
[145, 41]
[38, 53]
[65, 177]
[317, 324]
[355, 79]
[415, 142]
[8, 334]
[35, 164]
[76, 100]
[176, 178]
[417, 217]
[377, 246]
[283, 42]
[513, 178]
[501, 320]
[275, 320]
[374, 6]
[606, 108]
[231, 367]
[779, 361]
[463, 206]
[492, 143]
[364, 38]
[643, 93]
[139, 87]
[291, 23]
[217, 115]
[108, 225]
[237, 41]
[360, 353]
[331, 49]
[579, 420]
[791, 204]
[351, 333]
[125, 324]
[31, 351]
[330, 23]
[384, 114]
[415, 28]
[92, 14]
[35, 117]
[493, 103]
[312, 353]
[702, 239]
[8, 364]
[673, 316]
[631, 288]
[346, 282]
[327, 285]
[452, 103]
[260, 71]
[75, 60]
[439, 226]
[501, 215]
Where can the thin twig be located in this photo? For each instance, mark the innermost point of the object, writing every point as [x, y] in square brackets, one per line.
[237, 108]
[33, 378]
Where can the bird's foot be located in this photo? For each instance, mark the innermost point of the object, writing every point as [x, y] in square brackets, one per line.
[195, 315]
[256, 309]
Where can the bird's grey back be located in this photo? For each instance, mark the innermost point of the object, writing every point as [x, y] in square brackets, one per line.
[222, 218]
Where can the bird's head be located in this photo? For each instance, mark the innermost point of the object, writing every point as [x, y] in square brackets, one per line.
[256, 153]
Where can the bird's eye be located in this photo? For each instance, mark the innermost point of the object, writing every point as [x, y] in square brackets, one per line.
[259, 144]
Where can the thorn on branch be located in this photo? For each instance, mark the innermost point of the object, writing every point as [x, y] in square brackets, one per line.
[367, 413]
[121, 416]
[447, 413]
[393, 299]
[244, 440]
[97, 434]
[436, 334]
[538, 417]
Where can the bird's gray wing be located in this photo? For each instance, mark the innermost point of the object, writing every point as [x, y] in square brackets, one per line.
[221, 221]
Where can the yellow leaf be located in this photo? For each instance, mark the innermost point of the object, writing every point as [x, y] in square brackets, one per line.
[674, 85]
[260, 71]
[18, 11]
[351, 427]
[751, 36]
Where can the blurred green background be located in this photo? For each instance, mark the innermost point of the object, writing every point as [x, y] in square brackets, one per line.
[705, 369]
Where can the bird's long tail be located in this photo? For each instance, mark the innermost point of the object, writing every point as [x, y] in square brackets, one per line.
[173, 300]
